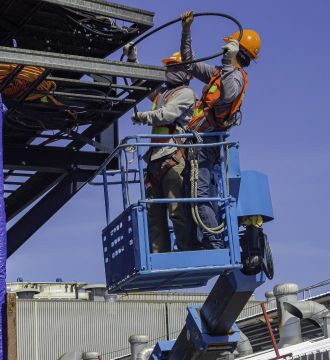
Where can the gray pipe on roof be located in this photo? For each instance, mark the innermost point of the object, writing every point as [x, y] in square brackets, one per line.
[269, 295]
[289, 326]
[138, 344]
[244, 346]
[90, 356]
[145, 354]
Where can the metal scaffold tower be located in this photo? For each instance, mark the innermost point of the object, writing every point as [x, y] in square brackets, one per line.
[44, 140]
[61, 97]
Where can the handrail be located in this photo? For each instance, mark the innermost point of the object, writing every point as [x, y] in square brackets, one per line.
[183, 135]
[184, 200]
[136, 143]
[124, 144]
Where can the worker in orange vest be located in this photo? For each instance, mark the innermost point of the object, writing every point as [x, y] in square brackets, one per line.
[217, 110]
[171, 112]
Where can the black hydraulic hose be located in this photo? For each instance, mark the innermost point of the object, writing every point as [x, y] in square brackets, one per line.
[169, 23]
[195, 15]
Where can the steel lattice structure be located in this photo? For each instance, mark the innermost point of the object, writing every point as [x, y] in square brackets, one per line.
[46, 158]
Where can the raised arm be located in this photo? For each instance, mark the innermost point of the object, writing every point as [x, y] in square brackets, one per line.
[232, 79]
[231, 84]
[200, 71]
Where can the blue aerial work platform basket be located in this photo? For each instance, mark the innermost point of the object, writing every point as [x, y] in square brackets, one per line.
[129, 263]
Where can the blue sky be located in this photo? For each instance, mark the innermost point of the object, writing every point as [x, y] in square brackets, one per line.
[285, 134]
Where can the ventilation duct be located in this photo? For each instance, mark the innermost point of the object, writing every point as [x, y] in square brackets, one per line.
[138, 345]
[26, 293]
[289, 325]
[312, 311]
[145, 354]
[269, 295]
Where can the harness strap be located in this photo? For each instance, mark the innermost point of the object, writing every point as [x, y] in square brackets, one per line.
[205, 119]
[169, 164]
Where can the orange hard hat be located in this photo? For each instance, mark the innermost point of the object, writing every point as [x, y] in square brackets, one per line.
[250, 42]
[173, 59]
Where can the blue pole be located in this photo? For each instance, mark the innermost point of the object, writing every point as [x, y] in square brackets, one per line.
[227, 203]
[122, 160]
[106, 196]
[3, 248]
[143, 204]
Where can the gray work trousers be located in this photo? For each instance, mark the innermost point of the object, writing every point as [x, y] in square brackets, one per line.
[169, 186]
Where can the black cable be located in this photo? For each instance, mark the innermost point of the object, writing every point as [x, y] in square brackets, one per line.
[169, 23]
[91, 22]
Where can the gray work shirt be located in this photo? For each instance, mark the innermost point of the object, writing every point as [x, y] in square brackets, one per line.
[232, 79]
[174, 106]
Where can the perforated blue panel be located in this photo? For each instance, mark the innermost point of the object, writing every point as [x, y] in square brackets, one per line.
[130, 267]
[121, 253]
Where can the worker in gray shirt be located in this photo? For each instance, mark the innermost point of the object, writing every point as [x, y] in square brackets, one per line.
[171, 112]
[217, 110]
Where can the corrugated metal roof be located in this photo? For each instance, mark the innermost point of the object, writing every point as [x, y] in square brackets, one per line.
[253, 308]
[177, 314]
[309, 350]
[259, 336]
[67, 290]
[164, 297]
[47, 329]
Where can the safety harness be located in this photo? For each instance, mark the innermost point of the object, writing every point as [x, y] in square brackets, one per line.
[205, 119]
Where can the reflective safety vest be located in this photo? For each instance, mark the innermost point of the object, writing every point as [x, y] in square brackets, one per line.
[204, 118]
[164, 129]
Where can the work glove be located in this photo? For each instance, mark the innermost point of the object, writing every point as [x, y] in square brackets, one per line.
[187, 19]
[130, 51]
[138, 119]
[231, 49]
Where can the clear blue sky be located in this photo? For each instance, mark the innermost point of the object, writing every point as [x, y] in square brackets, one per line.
[285, 134]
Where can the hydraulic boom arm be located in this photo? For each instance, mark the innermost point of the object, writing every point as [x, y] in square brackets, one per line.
[210, 331]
